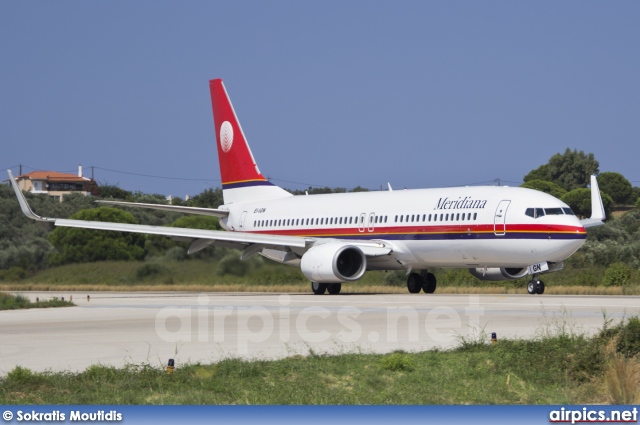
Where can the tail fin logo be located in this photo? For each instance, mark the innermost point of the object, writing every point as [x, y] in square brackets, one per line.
[226, 136]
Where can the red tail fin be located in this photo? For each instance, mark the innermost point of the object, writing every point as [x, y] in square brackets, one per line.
[238, 168]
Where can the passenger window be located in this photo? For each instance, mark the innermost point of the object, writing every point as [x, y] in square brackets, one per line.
[401, 217]
[475, 216]
[458, 217]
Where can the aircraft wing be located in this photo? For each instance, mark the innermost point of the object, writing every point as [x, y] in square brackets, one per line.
[240, 238]
[199, 238]
[172, 208]
[250, 242]
[597, 208]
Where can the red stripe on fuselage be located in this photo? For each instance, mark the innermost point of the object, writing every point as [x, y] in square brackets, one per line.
[404, 230]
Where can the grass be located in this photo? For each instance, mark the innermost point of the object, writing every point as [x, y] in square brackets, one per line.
[16, 302]
[263, 276]
[563, 368]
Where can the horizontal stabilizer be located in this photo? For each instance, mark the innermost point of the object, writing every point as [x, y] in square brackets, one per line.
[172, 208]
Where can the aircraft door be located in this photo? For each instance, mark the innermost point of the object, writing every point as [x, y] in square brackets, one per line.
[500, 218]
[361, 226]
[242, 218]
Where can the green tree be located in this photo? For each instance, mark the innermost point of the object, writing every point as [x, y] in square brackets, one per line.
[158, 246]
[580, 202]
[570, 170]
[106, 190]
[635, 195]
[208, 198]
[541, 173]
[546, 187]
[75, 245]
[319, 190]
[197, 222]
[616, 186]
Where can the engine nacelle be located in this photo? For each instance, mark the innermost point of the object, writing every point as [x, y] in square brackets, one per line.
[333, 262]
[494, 273]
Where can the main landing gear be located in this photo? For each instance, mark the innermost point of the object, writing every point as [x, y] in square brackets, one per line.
[423, 281]
[535, 286]
[320, 288]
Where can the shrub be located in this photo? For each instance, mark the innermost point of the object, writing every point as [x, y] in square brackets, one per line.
[617, 274]
[75, 245]
[397, 362]
[629, 338]
[395, 278]
[232, 264]
[150, 269]
[177, 253]
[13, 274]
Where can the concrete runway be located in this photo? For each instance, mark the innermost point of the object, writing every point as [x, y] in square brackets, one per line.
[121, 328]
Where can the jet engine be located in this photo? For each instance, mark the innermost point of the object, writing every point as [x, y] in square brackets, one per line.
[333, 262]
[494, 273]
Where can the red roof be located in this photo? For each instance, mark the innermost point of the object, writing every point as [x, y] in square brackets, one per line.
[52, 176]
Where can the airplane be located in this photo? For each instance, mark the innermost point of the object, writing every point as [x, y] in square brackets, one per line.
[496, 232]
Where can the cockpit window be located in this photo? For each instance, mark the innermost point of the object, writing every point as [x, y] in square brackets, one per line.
[568, 211]
[536, 212]
[553, 211]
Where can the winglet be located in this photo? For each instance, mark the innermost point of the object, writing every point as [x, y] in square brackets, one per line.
[597, 208]
[23, 202]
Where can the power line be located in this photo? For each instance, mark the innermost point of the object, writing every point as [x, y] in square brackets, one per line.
[153, 176]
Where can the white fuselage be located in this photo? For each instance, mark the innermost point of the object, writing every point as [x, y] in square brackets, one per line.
[445, 227]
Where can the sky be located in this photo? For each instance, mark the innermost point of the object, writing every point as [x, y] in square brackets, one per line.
[329, 93]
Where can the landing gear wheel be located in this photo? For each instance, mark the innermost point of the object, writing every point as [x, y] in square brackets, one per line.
[319, 288]
[414, 283]
[532, 287]
[334, 288]
[540, 287]
[429, 283]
